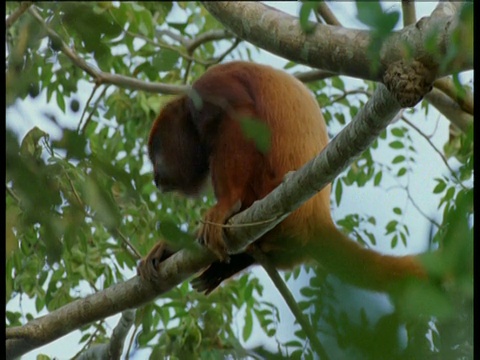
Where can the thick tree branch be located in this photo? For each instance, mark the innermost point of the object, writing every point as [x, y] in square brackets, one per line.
[336, 49]
[132, 83]
[295, 190]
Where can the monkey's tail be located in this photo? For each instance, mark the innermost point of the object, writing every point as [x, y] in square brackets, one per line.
[361, 266]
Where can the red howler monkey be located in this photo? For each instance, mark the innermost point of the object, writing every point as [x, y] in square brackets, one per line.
[200, 134]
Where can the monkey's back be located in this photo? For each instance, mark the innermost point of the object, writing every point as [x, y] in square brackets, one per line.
[298, 133]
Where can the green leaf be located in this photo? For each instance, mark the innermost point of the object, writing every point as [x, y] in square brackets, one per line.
[257, 131]
[396, 144]
[394, 241]
[305, 11]
[308, 292]
[398, 132]
[450, 193]
[441, 186]
[338, 192]
[31, 142]
[101, 202]
[174, 236]
[427, 300]
[398, 159]
[397, 210]
[60, 100]
[338, 83]
[378, 178]
[340, 117]
[402, 172]
[248, 327]
[371, 13]
[73, 142]
[391, 226]
[165, 60]
[404, 238]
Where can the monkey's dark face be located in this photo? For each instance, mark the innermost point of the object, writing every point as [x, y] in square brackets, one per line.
[164, 180]
[180, 160]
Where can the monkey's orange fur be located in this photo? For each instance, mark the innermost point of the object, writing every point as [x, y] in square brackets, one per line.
[200, 134]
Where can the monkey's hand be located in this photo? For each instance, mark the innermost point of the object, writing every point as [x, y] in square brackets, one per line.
[148, 266]
[211, 234]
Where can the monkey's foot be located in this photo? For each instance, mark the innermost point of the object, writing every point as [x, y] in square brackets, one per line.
[218, 271]
[148, 266]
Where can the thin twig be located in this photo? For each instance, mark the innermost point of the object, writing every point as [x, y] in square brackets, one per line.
[101, 77]
[129, 246]
[347, 93]
[327, 14]
[79, 128]
[12, 194]
[24, 5]
[459, 182]
[205, 37]
[415, 205]
[408, 10]
[172, 35]
[314, 75]
[449, 108]
[227, 226]
[228, 51]
[290, 300]
[95, 106]
[465, 100]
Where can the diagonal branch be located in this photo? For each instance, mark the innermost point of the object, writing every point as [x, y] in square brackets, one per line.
[301, 185]
[450, 109]
[24, 5]
[448, 87]
[327, 14]
[272, 272]
[296, 189]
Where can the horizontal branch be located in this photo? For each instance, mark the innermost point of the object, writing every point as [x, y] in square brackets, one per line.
[337, 49]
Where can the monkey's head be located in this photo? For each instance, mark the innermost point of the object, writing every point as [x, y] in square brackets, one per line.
[176, 150]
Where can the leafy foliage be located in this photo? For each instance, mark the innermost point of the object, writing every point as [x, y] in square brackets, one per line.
[81, 206]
